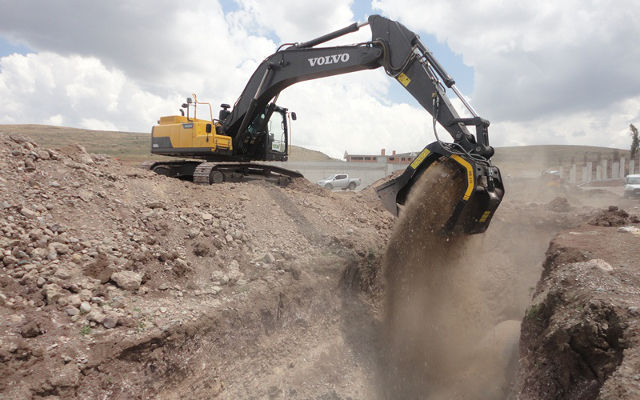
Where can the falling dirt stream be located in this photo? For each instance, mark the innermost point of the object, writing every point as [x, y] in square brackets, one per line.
[437, 317]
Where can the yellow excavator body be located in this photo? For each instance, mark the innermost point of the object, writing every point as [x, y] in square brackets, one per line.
[188, 134]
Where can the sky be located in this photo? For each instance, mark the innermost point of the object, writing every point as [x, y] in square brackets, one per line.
[543, 72]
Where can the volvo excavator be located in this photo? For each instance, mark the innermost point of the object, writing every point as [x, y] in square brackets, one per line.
[256, 129]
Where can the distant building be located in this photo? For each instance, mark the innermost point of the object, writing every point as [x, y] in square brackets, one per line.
[393, 158]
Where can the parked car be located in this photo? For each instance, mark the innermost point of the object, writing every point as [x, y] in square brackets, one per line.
[632, 186]
[552, 172]
[339, 181]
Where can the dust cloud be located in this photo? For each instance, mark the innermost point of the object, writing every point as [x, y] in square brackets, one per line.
[442, 337]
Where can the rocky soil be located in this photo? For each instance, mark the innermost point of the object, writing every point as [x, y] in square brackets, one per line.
[114, 278]
[581, 336]
[118, 283]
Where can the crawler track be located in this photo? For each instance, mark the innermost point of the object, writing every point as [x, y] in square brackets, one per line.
[207, 173]
[212, 172]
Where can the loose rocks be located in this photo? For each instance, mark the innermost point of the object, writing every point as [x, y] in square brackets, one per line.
[127, 280]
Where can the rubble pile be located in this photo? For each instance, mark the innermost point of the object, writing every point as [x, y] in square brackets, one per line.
[559, 204]
[116, 282]
[87, 265]
[614, 216]
[95, 253]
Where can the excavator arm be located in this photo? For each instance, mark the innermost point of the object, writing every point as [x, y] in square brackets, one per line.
[404, 57]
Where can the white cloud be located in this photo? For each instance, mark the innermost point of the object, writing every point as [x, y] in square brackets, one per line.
[545, 72]
[165, 46]
[57, 120]
[536, 57]
[543, 69]
[87, 83]
[78, 91]
[294, 20]
[607, 127]
[341, 113]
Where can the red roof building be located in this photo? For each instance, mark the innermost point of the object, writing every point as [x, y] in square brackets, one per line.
[393, 158]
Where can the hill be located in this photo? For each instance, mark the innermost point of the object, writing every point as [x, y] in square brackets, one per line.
[133, 147]
[126, 146]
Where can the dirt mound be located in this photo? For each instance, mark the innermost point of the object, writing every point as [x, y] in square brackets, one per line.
[304, 186]
[369, 194]
[613, 216]
[559, 204]
[118, 283]
[580, 337]
[114, 280]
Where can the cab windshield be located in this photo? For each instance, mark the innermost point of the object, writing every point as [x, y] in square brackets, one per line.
[633, 180]
[277, 132]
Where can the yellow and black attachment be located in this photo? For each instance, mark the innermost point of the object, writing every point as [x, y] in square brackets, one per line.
[480, 199]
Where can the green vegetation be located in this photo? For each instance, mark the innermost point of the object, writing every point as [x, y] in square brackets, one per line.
[635, 141]
[85, 330]
[371, 254]
[533, 312]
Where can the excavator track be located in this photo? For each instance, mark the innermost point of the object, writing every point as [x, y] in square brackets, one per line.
[208, 173]
[202, 174]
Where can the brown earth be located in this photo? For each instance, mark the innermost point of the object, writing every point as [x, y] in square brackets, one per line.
[208, 287]
[117, 283]
[454, 303]
[580, 337]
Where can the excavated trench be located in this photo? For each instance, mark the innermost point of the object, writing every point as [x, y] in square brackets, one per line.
[335, 316]
[436, 317]
[314, 339]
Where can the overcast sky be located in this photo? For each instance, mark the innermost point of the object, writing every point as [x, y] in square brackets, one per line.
[543, 72]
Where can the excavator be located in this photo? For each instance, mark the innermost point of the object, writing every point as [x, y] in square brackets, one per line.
[256, 129]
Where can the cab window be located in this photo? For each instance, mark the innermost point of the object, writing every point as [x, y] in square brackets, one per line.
[277, 132]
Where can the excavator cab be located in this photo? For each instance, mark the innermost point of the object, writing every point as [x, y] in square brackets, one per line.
[268, 134]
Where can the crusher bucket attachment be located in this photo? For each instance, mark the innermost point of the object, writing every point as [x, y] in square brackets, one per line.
[474, 210]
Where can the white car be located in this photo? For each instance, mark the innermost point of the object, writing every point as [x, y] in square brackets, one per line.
[553, 172]
[632, 186]
[339, 181]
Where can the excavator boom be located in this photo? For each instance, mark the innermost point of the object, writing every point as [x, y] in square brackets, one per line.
[243, 133]
[404, 57]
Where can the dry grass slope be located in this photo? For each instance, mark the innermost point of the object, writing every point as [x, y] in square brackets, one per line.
[134, 146]
[126, 146]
